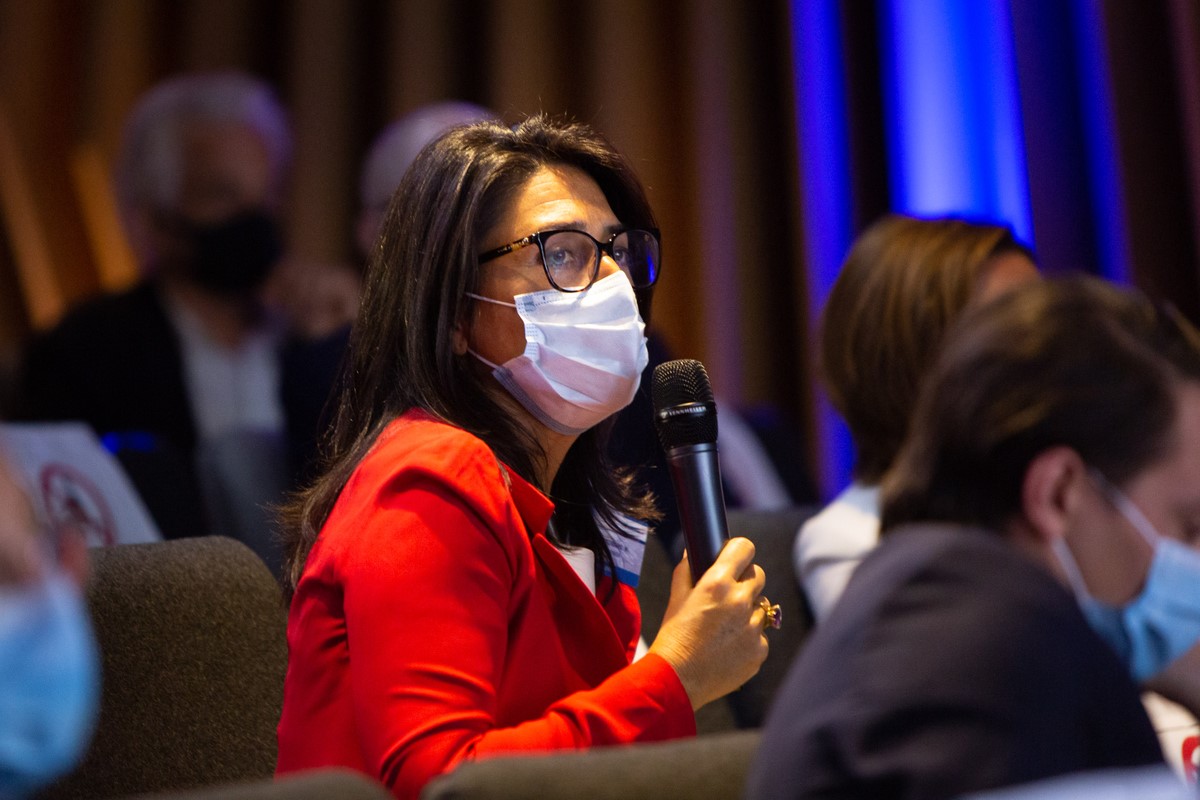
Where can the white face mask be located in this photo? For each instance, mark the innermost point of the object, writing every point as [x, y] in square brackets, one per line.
[1163, 621]
[584, 354]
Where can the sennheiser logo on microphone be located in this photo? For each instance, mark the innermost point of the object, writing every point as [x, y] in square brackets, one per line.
[686, 410]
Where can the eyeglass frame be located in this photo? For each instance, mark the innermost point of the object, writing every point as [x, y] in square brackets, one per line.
[602, 249]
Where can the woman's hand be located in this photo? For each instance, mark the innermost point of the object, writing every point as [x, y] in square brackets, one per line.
[24, 555]
[712, 633]
[19, 562]
[315, 299]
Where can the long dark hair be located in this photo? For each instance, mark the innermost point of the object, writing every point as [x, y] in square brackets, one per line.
[401, 355]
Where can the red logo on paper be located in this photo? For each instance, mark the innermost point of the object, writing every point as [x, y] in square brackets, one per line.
[1191, 757]
[74, 503]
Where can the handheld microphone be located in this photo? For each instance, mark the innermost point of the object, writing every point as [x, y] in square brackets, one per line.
[685, 416]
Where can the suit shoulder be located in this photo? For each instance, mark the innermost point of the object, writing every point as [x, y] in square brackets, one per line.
[133, 311]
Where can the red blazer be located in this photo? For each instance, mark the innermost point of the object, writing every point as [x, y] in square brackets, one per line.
[434, 622]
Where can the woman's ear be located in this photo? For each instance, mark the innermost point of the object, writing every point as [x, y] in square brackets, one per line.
[1051, 491]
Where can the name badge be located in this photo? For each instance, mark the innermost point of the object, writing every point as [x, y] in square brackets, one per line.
[627, 545]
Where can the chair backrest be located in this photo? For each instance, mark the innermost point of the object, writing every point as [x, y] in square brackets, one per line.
[330, 783]
[192, 637]
[773, 534]
[689, 769]
[654, 591]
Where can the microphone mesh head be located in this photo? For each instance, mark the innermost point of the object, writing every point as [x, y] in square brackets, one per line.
[684, 409]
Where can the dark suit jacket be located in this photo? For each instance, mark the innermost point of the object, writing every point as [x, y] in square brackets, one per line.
[951, 664]
[116, 363]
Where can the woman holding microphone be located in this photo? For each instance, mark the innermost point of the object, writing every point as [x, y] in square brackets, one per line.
[457, 569]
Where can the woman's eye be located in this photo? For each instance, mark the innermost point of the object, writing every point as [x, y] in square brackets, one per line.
[621, 256]
[559, 257]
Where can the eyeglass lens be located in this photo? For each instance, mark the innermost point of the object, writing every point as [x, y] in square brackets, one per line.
[572, 258]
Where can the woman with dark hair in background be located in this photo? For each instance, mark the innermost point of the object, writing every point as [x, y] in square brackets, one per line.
[458, 571]
[904, 282]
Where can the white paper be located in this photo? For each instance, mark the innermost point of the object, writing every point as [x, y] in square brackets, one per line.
[73, 480]
[1178, 732]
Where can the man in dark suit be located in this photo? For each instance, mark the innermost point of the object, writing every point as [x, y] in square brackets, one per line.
[1053, 460]
[208, 377]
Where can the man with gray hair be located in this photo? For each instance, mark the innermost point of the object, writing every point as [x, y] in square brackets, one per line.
[193, 364]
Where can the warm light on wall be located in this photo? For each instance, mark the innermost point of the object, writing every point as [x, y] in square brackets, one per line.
[115, 264]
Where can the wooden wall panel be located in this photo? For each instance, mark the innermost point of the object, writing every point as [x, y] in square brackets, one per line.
[321, 196]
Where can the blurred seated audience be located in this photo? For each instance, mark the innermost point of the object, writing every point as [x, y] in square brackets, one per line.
[1033, 565]
[207, 377]
[49, 666]
[904, 282]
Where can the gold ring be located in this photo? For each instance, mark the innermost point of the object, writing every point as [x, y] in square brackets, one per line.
[772, 613]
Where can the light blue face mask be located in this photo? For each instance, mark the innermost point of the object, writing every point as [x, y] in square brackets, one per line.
[49, 682]
[1163, 621]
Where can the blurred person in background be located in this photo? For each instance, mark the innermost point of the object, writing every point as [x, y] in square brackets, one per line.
[203, 376]
[393, 151]
[904, 283]
[49, 664]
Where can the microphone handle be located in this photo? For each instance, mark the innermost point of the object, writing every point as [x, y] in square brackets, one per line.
[696, 475]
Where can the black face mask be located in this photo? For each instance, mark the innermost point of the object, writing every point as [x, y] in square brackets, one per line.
[235, 255]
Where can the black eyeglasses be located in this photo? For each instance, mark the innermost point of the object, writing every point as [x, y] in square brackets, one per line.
[572, 258]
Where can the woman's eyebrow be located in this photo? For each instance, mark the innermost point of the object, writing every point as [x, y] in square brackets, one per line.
[564, 225]
[580, 225]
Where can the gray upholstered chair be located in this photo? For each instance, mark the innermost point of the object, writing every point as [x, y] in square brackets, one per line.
[322, 784]
[192, 637]
[712, 766]
[773, 534]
